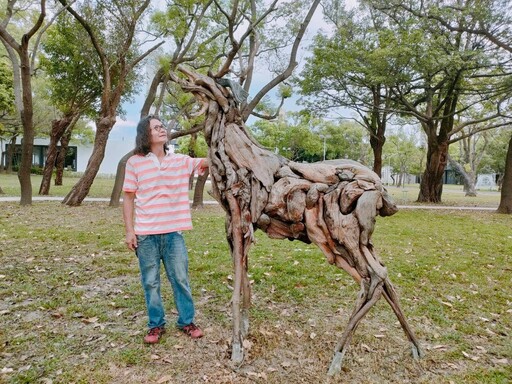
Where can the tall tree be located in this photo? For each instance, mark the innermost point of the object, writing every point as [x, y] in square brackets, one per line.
[195, 34]
[486, 19]
[73, 86]
[505, 205]
[227, 39]
[111, 27]
[450, 75]
[350, 70]
[19, 54]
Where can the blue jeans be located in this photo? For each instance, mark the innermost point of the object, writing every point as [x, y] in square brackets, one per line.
[171, 250]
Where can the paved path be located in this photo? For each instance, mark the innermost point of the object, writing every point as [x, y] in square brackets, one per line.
[213, 202]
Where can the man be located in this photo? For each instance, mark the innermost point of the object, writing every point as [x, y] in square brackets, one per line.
[155, 210]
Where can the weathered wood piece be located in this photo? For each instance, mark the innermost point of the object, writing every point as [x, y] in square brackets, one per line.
[332, 204]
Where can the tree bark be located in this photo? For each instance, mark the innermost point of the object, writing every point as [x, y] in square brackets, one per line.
[431, 186]
[61, 157]
[198, 200]
[377, 144]
[118, 184]
[26, 115]
[506, 189]
[25, 108]
[81, 189]
[58, 129]
[468, 178]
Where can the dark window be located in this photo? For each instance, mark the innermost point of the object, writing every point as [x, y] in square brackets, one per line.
[39, 156]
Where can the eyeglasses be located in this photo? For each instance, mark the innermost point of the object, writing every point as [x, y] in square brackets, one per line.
[158, 128]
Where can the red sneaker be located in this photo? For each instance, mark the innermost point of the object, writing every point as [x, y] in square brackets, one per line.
[154, 335]
[193, 331]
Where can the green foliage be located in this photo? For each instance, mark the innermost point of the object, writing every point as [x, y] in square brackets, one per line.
[496, 153]
[6, 89]
[404, 153]
[74, 73]
[300, 137]
[194, 27]
[199, 148]
[347, 68]
[83, 132]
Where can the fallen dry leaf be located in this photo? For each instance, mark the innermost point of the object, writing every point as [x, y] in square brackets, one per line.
[467, 355]
[165, 379]
[440, 347]
[500, 361]
[247, 344]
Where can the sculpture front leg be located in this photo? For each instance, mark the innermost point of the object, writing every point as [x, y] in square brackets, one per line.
[241, 305]
[240, 239]
[237, 352]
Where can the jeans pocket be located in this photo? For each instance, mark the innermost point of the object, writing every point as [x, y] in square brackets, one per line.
[140, 240]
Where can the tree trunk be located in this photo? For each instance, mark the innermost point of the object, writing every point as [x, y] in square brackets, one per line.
[26, 115]
[58, 129]
[198, 200]
[192, 153]
[431, 186]
[506, 188]
[468, 178]
[377, 140]
[61, 157]
[118, 184]
[81, 189]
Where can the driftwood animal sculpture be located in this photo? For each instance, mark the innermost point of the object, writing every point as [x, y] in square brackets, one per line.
[332, 204]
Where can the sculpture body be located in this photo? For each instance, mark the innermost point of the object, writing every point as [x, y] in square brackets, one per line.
[332, 204]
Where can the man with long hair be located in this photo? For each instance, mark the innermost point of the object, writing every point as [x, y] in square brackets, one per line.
[156, 210]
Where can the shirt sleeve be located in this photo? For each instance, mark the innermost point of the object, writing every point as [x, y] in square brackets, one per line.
[130, 177]
[193, 164]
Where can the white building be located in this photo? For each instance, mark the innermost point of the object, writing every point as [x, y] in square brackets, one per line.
[78, 154]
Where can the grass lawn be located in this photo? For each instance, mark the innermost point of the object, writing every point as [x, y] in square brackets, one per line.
[102, 187]
[72, 309]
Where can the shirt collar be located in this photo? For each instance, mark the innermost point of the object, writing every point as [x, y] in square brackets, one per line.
[151, 154]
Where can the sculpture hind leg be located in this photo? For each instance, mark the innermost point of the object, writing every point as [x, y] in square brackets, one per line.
[372, 288]
[392, 299]
[365, 301]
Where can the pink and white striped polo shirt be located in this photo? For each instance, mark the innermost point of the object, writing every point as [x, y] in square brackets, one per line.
[161, 192]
